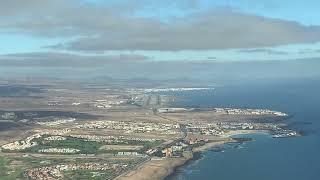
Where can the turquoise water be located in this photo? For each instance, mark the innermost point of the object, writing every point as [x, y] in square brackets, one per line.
[265, 158]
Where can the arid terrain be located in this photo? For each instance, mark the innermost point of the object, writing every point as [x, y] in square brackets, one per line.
[54, 131]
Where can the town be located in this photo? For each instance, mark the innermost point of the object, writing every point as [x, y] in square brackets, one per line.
[124, 130]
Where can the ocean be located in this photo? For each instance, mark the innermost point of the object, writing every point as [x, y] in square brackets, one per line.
[265, 158]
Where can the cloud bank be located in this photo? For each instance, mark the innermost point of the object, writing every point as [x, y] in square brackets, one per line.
[94, 28]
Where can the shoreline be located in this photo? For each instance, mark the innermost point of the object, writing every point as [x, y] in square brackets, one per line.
[166, 168]
[197, 155]
[156, 168]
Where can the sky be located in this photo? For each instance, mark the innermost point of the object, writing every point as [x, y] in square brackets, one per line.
[192, 30]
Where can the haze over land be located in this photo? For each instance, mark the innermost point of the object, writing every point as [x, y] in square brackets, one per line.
[102, 70]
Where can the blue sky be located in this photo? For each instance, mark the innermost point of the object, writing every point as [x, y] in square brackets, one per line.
[305, 13]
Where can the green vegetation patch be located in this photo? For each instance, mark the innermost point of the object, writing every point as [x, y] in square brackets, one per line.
[89, 175]
[12, 168]
[85, 147]
[4, 166]
[7, 172]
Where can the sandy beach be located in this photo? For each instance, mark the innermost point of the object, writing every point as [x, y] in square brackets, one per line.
[239, 132]
[154, 169]
[159, 168]
[209, 145]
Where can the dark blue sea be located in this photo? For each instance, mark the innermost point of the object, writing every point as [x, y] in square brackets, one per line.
[265, 158]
